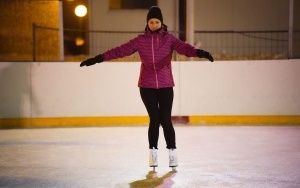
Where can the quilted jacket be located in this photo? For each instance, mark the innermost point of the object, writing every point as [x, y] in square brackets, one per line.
[155, 50]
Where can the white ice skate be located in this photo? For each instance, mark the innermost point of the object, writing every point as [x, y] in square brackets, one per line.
[173, 163]
[153, 160]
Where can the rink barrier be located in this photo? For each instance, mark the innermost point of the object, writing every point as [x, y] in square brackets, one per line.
[7, 123]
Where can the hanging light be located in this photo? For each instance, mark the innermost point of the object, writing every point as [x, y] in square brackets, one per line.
[80, 10]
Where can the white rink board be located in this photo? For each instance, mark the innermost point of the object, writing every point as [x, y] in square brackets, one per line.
[56, 89]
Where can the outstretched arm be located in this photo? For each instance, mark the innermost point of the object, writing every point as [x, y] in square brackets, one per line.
[189, 50]
[121, 51]
[114, 53]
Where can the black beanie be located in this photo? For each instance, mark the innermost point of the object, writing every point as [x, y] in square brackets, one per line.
[155, 12]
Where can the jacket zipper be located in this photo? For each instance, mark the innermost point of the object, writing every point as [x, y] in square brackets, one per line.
[153, 61]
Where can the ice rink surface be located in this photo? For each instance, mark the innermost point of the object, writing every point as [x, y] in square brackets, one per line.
[117, 157]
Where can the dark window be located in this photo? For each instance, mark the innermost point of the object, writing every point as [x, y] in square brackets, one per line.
[131, 4]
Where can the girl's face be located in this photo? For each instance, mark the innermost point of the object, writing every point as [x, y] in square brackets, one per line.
[154, 24]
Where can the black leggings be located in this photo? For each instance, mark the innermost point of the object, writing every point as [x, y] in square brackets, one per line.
[158, 103]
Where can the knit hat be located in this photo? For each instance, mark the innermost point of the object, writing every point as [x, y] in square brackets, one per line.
[155, 12]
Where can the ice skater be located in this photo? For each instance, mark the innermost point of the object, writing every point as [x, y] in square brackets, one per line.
[155, 47]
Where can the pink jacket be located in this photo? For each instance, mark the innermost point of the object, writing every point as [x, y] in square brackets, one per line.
[155, 50]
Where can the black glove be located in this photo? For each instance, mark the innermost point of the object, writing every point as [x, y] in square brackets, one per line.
[205, 54]
[92, 61]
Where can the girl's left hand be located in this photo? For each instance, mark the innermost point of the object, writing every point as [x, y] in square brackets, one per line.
[205, 54]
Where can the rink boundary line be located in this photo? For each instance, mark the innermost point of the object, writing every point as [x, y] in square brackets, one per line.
[246, 120]
[72, 122]
[144, 120]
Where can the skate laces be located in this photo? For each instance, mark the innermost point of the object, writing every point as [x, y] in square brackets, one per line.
[154, 154]
[171, 156]
[153, 157]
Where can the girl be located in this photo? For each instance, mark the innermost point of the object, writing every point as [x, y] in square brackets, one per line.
[155, 47]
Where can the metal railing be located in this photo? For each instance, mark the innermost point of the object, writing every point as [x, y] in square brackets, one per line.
[224, 45]
[228, 45]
